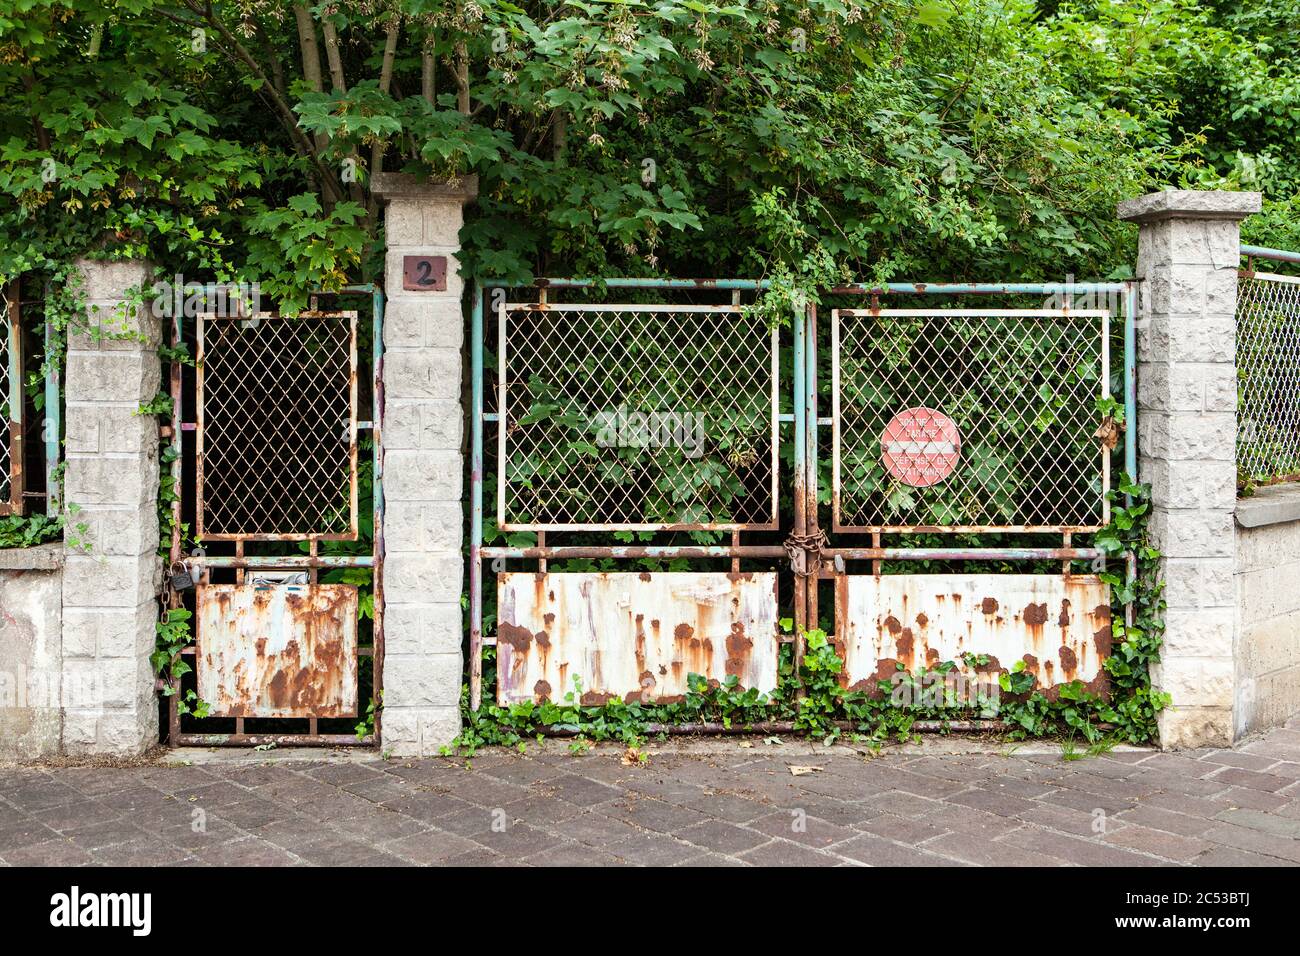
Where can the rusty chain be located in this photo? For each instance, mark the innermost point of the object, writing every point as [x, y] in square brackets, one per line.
[800, 547]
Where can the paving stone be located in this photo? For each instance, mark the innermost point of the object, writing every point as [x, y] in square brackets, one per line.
[23, 832]
[1256, 841]
[1067, 849]
[73, 816]
[430, 848]
[1160, 843]
[902, 829]
[785, 853]
[149, 851]
[802, 828]
[1229, 856]
[1001, 804]
[1254, 799]
[726, 806]
[646, 849]
[573, 854]
[1206, 807]
[48, 853]
[1237, 758]
[576, 790]
[1269, 783]
[1264, 822]
[655, 815]
[246, 852]
[1167, 820]
[877, 851]
[721, 836]
[595, 829]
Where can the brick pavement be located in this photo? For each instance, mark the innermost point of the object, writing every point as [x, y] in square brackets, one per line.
[715, 803]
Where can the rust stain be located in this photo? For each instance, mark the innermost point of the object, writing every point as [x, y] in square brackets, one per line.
[922, 620]
[904, 644]
[277, 651]
[518, 638]
[1069, 661]
[542, 690]
[713, 624]
[1035, 615]
[1064, 619]
[989, 606]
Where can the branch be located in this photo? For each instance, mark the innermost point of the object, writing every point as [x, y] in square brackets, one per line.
[334, 57]
[329, 185]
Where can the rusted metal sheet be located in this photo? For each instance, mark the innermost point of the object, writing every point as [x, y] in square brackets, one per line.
[1059, 626]
[278, 650]
[633, 636]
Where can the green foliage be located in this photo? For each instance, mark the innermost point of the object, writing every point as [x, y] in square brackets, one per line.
[26, 531]
[806, 141]
[173, 636]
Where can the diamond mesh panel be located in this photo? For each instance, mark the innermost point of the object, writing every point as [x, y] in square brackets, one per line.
[6, 413]
[641, 416]
[277, 427]
[1268, 377]
[1021, 389]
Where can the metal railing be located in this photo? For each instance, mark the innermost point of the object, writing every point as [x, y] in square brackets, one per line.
[636, 417]
[276, 440]
[1268, 370]
[11, 405]
[1018, 388]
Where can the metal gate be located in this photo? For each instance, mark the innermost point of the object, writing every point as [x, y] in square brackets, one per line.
[279, 573]
[11, 404]
[976, 426]
[980, 426]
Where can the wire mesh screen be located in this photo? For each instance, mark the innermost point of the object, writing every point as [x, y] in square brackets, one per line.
[636, 417]
[277, 427]
[10, 382]
[1268, 377]
[969, 420]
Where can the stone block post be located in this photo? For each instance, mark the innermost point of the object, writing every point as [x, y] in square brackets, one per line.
[424, 463]
[1189, 253]
[112, 571]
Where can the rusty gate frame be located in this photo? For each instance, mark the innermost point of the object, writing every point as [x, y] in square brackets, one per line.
[814, 558]
[312, 563]
[11, 335]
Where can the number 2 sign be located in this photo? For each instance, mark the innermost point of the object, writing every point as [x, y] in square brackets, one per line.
[424, 273]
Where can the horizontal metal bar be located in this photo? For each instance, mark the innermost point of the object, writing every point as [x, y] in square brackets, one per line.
[966, 529]
[984, 313]
[278, 740]
[634, 551]
[1263, 252]
[964, 554]
[619, 307]
[976, 288]
[1269, 277]
[626, 283]
[707, 526]
[290, 561]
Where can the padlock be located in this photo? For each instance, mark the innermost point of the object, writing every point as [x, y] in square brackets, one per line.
[181, 580]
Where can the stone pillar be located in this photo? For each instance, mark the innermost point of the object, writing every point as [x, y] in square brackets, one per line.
[423, 570]
[112, 571]
[1189, 253]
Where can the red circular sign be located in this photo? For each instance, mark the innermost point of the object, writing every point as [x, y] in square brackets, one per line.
[920, 447]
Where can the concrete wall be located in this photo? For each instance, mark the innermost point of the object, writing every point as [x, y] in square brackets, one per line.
[1267, 595]
[1188, 255]
[78, 619]
[423, 570]
[31, 653]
